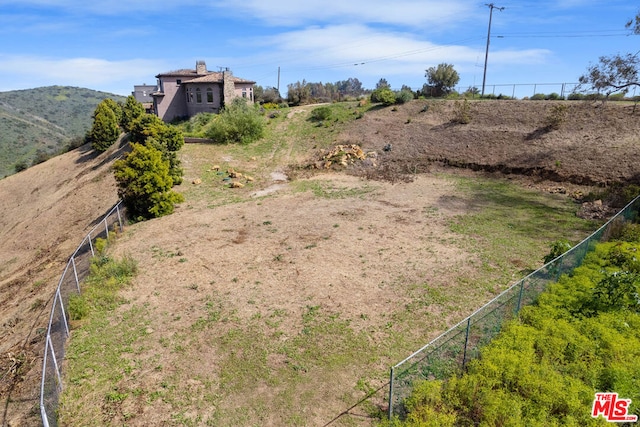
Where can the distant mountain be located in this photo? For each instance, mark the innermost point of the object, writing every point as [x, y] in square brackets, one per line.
[37, 123]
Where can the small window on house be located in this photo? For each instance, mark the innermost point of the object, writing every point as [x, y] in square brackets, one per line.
[244, 93]
[178, 82]
[210, 95]
[198, 96]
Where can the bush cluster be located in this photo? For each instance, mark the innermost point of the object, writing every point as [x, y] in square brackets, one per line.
[238, 122]
[386, 96]
[582, 336]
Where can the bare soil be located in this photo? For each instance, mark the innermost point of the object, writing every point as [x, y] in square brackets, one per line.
[283, 250]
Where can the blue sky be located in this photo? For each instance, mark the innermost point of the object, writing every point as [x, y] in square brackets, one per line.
[112, 45]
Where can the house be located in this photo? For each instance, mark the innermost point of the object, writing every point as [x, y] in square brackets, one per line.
[142, 94]
[185, 93]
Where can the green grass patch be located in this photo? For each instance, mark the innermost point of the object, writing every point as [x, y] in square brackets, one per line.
[511, 228]
[328, 190]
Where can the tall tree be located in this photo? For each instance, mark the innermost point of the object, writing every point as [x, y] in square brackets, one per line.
[104, 130]
[131, 111]
[382, 83]
[442, 79]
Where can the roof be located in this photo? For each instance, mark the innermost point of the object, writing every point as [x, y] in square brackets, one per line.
[178, 73]
[213, 77]
[210, 77]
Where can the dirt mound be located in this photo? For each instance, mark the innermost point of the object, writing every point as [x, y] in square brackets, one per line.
[595, 144]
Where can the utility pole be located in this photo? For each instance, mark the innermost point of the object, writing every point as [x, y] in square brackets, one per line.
[486, 55]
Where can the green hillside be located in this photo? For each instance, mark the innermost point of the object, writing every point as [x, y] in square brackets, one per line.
[40, 122]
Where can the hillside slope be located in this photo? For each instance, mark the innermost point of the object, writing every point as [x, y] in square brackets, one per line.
[595, 144]
[46, 212]
[341, 233]
[42, 121]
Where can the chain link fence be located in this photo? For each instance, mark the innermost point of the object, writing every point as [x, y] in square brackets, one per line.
[74, 273]
[447, 354]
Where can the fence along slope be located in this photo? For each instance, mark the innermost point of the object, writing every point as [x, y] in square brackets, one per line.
[75, 272]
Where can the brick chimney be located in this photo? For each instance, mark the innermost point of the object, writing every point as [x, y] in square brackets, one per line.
[201, 68]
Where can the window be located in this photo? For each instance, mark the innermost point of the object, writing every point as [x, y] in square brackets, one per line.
[210, 95]
[244, 93]
[198, 96]
[189, 93]
[178, 82]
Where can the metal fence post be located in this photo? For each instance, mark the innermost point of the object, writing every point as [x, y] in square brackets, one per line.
[520, 296]
[119, 217]
[390, 411]
[55, 365]
[466, 341]
[43, 410]
[75, 272]
[91, 245]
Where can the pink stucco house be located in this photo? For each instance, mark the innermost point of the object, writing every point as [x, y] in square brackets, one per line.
[185, 93]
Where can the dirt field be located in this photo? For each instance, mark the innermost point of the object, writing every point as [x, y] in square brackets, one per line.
[336, 244]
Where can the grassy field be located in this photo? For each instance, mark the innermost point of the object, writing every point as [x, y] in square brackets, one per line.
[223, 353]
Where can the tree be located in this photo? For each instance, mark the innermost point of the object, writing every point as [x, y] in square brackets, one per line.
[634, 24]
[442, 79]
[115, 107]
[615, 73]
[150, 130]
[382, 83]
[351, 87]
[104, 131]
[266, 95]
[144, 183]
[131, 111]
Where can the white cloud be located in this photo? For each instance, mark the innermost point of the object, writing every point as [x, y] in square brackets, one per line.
[358, 45]
[428, 13]
[93, 73]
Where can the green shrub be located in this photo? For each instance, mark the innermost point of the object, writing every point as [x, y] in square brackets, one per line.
[544, 368]
[404, 96]
[383, 95]
[557, 116]
[557, 248]
[630, 192]
[237, 123]
[104, 130]
[100, 245]
[462, 112]
[20, 166]
[78, 307]
[151, 131]
[321, 113]
[144, 183]
[131, 111]
[538, 97]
